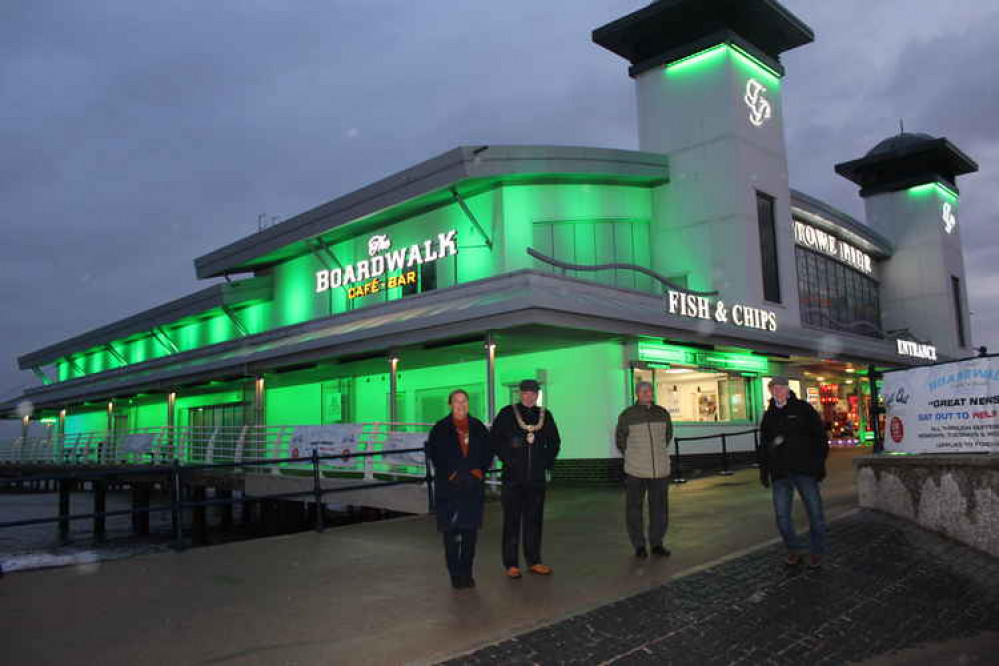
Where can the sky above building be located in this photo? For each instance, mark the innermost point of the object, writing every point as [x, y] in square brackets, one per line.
[135, 136]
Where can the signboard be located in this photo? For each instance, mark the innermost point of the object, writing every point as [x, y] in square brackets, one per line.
[365, 277]
[815, 239]
[405, 440]
[327, 440]
[948, 408]
[712, 309]
[136, 443]
[916, 350]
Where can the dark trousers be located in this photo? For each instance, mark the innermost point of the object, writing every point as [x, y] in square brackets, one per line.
[459, 550]
[658, 492]
[808, 488]
[523, 513]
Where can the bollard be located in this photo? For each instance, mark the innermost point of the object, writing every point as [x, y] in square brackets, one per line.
[318, 490]
[725, 471]
[678, 470]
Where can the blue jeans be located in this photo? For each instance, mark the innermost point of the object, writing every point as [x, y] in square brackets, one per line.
[808, 488]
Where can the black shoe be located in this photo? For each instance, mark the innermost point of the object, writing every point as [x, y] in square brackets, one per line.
[458, 582]
[469, 581]
[640, 552]
[659, 551]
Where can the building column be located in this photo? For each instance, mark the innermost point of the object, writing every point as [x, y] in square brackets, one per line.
[259, 388]
[61, 423]
[25, 424]
[393, 387]
[490, 378]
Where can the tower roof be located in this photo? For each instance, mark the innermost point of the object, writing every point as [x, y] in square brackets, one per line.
[665, 30]
[904, 160]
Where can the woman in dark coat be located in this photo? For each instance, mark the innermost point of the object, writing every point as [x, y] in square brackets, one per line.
[458, 447]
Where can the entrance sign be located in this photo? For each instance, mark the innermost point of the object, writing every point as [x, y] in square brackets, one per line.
[383, 259]
[947, 408]
[759, 105]
[703, 307]
[815, 239]
[916, 350]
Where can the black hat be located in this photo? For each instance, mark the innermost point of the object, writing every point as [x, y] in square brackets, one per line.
[530, 385]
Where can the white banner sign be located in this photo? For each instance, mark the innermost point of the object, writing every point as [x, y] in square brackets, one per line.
[950, 408]
[405, 440]
[327, 440]
[137, 443]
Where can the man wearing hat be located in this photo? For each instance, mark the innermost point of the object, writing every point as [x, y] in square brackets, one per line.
[526, 439]
[792, 455]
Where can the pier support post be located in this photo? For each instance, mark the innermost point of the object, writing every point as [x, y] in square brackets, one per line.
[140, 500]
[225, 509]
[65, 488]
[100, 506]
[199, 520]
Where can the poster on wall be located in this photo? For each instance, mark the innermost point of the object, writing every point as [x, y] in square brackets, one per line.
[948, 408]
[327, 440]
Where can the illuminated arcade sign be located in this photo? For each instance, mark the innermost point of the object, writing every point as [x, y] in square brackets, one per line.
[383, 259]
[816, 239]
[916, 350]
[702, 307]
[657, 352]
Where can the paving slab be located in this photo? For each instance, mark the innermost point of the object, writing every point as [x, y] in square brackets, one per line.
[888, 593]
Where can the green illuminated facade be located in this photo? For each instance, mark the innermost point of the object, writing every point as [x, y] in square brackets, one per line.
[674, 264]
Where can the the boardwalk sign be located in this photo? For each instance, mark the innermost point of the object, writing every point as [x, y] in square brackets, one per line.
[948, 408]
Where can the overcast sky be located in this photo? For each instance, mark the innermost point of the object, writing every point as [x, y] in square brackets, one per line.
[136, 135]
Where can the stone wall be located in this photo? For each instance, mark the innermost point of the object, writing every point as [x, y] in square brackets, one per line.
[956, 495]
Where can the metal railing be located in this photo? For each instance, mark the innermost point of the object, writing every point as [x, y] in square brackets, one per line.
[210, 445]
[172, 476]
[678, 466]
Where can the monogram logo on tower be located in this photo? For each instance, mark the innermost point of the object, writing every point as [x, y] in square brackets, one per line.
[759, 105]
[949, 218]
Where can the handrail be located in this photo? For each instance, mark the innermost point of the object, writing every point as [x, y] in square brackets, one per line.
[178, 504]
[678, 468]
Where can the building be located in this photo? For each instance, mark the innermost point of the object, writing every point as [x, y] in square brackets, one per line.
[689, 262]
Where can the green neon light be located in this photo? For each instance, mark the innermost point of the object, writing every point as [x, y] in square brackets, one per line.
[762, 69]
[658, 352]
[700, 56]
[740, 55]
[929, 188]
[736, 361]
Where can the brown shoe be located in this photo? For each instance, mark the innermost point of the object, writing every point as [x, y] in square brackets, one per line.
[541, 569]
[815, 562]
[793, 559]
[513, 572]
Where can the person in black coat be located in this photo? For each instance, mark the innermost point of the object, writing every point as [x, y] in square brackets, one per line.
[792, 455]
[459, 449]
[526, 439]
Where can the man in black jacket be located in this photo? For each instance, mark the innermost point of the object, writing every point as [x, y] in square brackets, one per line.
[526, 439]
[792, 454]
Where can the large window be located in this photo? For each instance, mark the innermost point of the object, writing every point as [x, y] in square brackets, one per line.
[836, 297]
[699, 396]
[768, 247]
[590, 242]
[955, 283]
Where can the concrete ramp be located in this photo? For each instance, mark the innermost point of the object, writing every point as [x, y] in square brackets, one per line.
[406, 498]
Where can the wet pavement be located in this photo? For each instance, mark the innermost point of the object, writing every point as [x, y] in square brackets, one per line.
[886, 586]
[378, 593]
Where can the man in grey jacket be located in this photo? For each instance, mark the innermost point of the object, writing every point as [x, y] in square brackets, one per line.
[643, 434]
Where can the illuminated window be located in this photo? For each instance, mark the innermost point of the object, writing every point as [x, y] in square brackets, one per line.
[695, 395]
